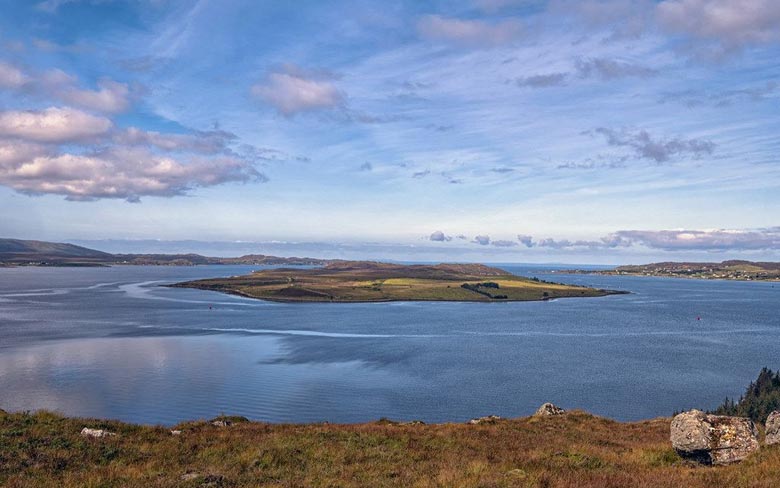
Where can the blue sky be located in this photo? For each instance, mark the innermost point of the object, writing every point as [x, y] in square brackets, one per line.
[503, 130]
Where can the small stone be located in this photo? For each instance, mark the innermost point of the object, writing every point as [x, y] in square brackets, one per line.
[517, 473]
[175, 432]
[221, 423]
[548, 410]
[97, 433]
[773, 428]
[189, 476]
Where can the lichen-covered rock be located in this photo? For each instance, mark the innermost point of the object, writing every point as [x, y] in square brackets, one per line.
[713, 439]
[773, 428]
[97, 433]
[548, 409]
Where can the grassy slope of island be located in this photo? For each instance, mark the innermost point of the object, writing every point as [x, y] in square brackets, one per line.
[364, 281]
[572, 450]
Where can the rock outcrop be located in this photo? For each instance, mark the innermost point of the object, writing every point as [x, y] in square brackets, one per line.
[548, 410]
[97, 433]
[490, 419]
[713, 439]
[773, 428]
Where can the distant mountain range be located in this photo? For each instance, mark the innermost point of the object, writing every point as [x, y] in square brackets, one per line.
[17, 252]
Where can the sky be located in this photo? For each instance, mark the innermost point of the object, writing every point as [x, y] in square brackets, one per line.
[574, 131]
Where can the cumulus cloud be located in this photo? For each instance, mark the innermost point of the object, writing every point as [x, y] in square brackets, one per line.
[81, 156]
[11, 76]
[475, 33]
[118, 172]
[481, 240]
[660, 150]
[292, 91]
[110, 97]
[53, 125]
[526, 240]
[610, 69]
[729, 23]
[440, 236]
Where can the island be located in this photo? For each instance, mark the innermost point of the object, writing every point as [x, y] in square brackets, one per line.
[368, 281]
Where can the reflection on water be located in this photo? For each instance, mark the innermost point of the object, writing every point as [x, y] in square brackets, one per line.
[110, 342]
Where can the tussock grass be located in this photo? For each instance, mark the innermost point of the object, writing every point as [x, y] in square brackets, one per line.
[574, 450]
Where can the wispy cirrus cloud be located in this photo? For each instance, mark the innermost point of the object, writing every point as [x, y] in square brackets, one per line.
[468, 32]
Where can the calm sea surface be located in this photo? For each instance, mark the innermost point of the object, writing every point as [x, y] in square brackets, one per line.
[110, 342]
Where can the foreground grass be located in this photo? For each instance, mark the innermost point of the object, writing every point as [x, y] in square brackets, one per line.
[576, 449]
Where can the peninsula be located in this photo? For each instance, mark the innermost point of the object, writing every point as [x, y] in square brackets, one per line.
[739, 270]
[366, 281]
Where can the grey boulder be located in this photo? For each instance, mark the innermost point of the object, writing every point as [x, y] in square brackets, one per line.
[548, 410]
[713, 439]
[773, 428]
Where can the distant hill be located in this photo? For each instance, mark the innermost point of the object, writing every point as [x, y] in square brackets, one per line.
[17, 252]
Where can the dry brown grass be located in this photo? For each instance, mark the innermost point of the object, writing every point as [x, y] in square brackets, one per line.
[574, 450]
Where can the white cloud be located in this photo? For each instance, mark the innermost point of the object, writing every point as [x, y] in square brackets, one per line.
[729, 22]
[469, 32]
[11, 76]
[293, 91]
[110, 97]
[52, 125]
[119, 172]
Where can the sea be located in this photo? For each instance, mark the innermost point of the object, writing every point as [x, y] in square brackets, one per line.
[114, 343]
